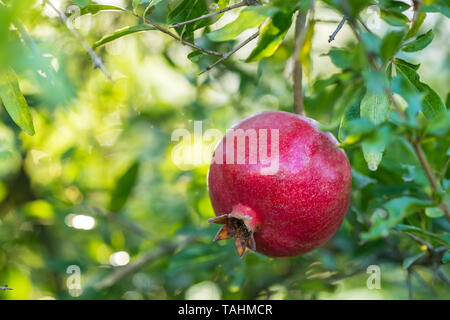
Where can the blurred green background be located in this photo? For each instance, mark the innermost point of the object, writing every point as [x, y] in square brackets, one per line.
[96, 187]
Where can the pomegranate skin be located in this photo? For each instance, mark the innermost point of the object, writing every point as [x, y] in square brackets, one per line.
[302, 205]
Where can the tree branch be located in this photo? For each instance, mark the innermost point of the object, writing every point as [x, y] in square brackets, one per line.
[230, 53]
[140, 262]
[187, 43]
[338, 28]
[420, 241]
[297, 74]
[96, 59]
[244, 3]
[115, 218]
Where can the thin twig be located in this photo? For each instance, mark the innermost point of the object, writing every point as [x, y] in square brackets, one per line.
[140, 262]
[430, 175]
[230, 53]
[420, 241]
[443, 276]
[349, 17]
[297, 74]
[444, 169]
[96, 59]
[338, 28]
[243, 3]
[114, 217]
[416, 8]
[409, 284]
[326, 21]
[364, 25]
[422, 280]
[187, 43]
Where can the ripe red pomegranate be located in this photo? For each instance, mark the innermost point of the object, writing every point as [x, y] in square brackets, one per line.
[289, 204]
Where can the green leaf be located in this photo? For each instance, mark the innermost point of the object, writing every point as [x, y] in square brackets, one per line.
[187, 10]
[14, 101]
[420, 42]
[120, 33]
[402, 62]
[394, 18]
[397, 6]
[432, 105]
[305, 52]
[360, 181]
[355, 130]
[123, 188]
[182, 11]
[373, 147]
[82, 3]
[408, 262]
[374, 107]
[150, 5]
[136, 3]
[248, 18]
[376, 81]
[397, 209]
[221, 4]
[414, 173]
[371, 42]
[154, 3]
[345, 101]
[416, 26]
[271, 37]
[341, 58]
[391, 43]
[194, 55]
[434, 212]
[447, 100]
[96, 8]
[439, 238]
[351, 114]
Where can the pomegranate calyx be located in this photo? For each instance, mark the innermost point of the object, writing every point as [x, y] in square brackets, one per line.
[237, 226]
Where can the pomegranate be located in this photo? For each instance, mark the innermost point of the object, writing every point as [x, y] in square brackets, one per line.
[289, 198]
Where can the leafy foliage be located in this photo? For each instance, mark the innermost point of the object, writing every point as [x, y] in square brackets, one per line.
[96, 180]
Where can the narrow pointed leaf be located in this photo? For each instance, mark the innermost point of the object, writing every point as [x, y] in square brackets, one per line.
[272, 35]
[420, 42]
[416, 26]
[248, 18]
[397, 209]
[123, 188]
[391, 43]
[120, 33]
[14, 101]
[432, 105]
[443, 238]
[374, 107]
